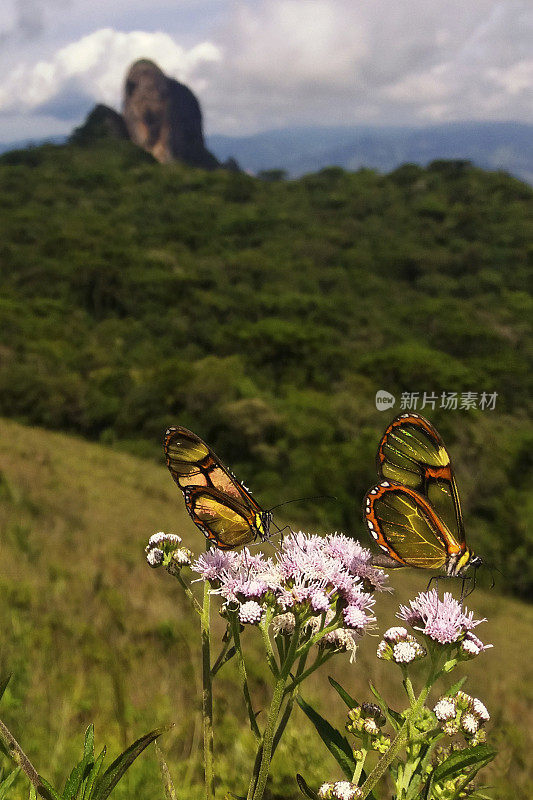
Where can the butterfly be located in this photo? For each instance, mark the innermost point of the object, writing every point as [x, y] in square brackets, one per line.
[414, 513]
[217, 502]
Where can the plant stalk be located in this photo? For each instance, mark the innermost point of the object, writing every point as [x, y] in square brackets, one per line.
[397, 743]
[207, 697]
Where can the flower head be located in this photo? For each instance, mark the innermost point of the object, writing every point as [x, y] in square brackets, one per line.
[400, 646]
[396, 634]
[480, 710]
[341, 790]
[445, 709]
[163, 548]
[444, 621]
[250, 612]
[321, 581]
[462, 713]
[154, 556]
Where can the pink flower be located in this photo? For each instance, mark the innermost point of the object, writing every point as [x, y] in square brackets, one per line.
[311, 576]
[444, 621]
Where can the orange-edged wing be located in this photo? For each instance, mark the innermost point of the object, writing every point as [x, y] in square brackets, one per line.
[412, 453]
[192, 463]
[407, 528]
[225, 512]
[225, 522]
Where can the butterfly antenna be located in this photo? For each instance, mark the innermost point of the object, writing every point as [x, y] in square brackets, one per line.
[492, 569]
[299, 499]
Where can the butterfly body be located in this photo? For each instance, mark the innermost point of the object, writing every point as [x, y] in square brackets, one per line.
[414, 513]
[221, 506]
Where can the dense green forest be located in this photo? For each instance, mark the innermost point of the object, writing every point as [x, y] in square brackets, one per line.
[266, 314]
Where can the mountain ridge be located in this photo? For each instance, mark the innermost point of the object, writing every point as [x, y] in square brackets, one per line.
[297, 150]
[504, 146]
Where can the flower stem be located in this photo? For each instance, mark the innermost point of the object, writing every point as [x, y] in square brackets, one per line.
[273, 713]
[234, 622]
[194, 602]
[359, 767]
[320, 659]
[397, 743]
[408, 686]
[207, 697]
[263, 627]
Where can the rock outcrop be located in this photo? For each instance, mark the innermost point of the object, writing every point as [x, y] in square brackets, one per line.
[102, 123]
[164, 117]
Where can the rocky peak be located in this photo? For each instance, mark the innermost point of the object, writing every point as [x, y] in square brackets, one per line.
[102, 123]
[164, 117]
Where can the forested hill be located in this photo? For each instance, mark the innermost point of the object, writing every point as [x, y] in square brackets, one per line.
[265, 315]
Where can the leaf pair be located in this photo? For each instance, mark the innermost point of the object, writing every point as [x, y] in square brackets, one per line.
[86, 781]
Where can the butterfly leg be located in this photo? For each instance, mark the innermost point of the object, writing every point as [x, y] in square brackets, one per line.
[438, 578]
[281, 532]
[468, 579]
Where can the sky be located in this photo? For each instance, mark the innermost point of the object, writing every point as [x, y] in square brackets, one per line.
[256, 65]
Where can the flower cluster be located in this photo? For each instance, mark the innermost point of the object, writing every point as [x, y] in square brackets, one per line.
[343, 790]
[365, 722]
[400, 646]
[164, 548]
[462, 714]
[443, 622]
[315, 581]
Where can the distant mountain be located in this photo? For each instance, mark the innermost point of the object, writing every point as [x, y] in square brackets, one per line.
[504, 146]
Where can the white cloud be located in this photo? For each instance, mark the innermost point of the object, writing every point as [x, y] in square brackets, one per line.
[340, 61]
[94, 67]
[270, 63]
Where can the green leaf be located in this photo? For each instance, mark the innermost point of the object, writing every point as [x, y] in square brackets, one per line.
[305, 788]
[394, 718]
[473, 759]
[7, 782]
[452, 691]
[74, 781]
[105, 785]
[93, 775]
[82, 769]
[336, 743]
[3, 684]
[168, 785]
[413, 790]
[88, 746]
[348, 699]
[33, 793]
[47, 791]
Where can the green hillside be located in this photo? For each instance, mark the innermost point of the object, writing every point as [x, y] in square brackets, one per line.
[91, 633]
[265, 315]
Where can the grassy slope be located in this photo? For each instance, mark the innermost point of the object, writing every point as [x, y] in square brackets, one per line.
[91, 633]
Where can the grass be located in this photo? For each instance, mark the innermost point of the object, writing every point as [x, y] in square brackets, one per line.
[92, 634]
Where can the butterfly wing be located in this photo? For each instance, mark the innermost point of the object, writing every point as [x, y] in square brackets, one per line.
[222, 520]
[412, 453]
[192, 463]
[406, 527]
[225, 507]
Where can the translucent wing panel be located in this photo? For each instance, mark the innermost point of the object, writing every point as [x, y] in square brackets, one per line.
[404, 525]
[183, 446]
[413, 454]
[409, 446]
[220, 520]
[193, 464]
